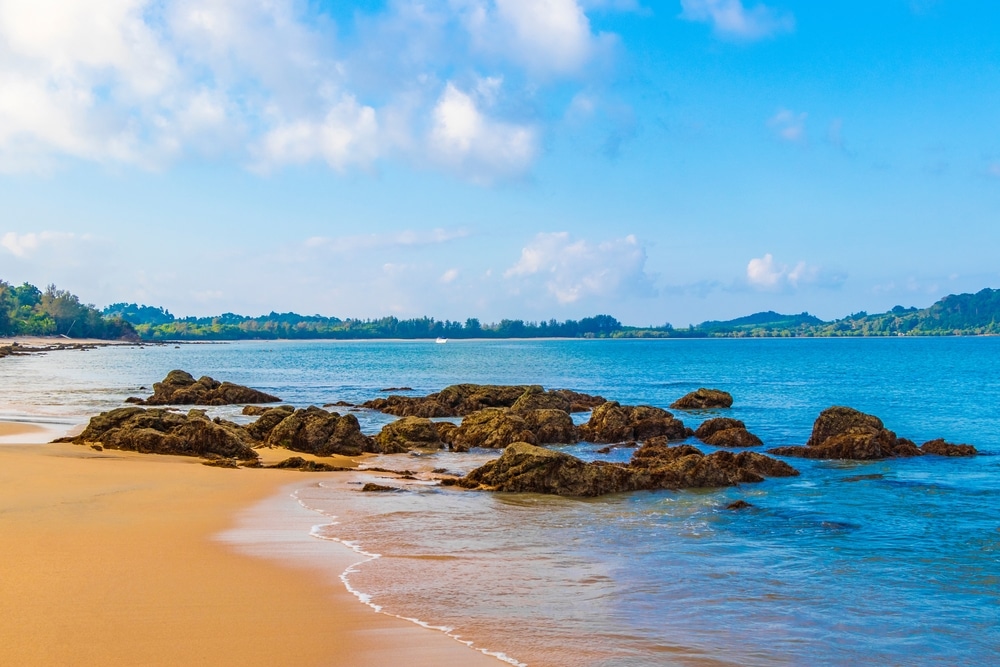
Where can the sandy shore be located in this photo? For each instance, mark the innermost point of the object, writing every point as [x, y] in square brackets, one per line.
[113, 558]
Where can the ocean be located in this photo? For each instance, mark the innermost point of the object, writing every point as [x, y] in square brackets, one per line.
[893, 562]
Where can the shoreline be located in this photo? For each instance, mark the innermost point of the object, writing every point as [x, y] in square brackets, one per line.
[121, 558]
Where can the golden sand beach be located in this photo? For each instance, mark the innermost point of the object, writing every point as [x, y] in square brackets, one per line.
[111, 558]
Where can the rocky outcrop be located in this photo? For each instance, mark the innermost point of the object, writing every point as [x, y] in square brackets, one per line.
[942, 448]
[180, 388]
[305, 465]
[316, 431]
[496, 428]
[703, 399]
[408, 433]
[524, 467]
[268, 419]
[726, 432]
[464, 399]
[159, 431]
[845, 433]
[612, 422]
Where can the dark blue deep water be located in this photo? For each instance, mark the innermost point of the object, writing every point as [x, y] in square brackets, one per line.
[893, 563]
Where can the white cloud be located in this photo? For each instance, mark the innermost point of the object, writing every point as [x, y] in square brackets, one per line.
[449, 276]
[481, 148]
[731, 20]
[789, 125]
[267, 82]
[764, 273]
[405, 238]
[544, 36]
[571, 270]
[26, 245]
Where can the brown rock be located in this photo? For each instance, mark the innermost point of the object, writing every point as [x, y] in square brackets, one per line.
[732, 437]
[316, 431]
[536, 398]
[579, 402]
[494, 428]
[704, 399]
[408, 433]
[712, 426]
[738, 505]
[464, 399]
[527, 468]
[550, 426]
[268, 419]
[371, 487]
[611, 422]
[305, 465]
[180, 388]
[942, 448]
[158, 431]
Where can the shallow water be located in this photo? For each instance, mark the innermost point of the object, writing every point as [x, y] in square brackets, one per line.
[893, 562]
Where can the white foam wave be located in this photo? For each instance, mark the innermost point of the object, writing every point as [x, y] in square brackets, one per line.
[318, 532]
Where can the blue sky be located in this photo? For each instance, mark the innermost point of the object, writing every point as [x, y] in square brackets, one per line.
[669, 161]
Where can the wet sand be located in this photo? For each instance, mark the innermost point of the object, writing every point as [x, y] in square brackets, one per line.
[115, 558]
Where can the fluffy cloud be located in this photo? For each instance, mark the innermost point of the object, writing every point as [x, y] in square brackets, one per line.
[731, 20]
[789, 125]
[464, 138]
[571, 270]
[764, 273]
[148, 82]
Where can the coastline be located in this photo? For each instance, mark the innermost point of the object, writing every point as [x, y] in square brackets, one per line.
[121, 558]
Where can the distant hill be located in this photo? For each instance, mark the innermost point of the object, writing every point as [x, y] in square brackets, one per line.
[769, 320]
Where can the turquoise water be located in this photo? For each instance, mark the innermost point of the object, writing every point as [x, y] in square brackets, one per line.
[892, 562]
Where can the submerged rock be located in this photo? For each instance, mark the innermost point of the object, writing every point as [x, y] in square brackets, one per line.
[180, 388]
[159, 431]
[942, 448]
[738, 505]
[704, 399]
[612, 422]
[524, 467]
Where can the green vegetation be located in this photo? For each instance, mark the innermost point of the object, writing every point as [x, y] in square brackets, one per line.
[28, 311]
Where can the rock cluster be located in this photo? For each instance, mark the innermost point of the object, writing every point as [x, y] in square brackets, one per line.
[524, 467]
[316, 431]
[463, 399]
[159, 431]
[846, 433]
[496, 428]
[409, 433]
[180, 388]
[703, 399]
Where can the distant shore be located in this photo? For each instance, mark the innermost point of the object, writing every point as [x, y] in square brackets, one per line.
[111, 558]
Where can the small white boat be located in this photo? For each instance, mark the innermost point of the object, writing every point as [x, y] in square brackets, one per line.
[441, 341]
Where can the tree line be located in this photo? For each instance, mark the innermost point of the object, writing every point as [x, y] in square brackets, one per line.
[26, 310]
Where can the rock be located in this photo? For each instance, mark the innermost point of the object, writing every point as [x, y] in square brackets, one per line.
[942, 448]
[611, 422]
[388, 389]
[524, 467]
[579, 402]
[712, 426]
[463, 399]
[407, 433]
[268, 419]
[703, 399]
[536, 398]
[159, 431]
[180, 388]
[550, 426]
[96, 447]
[258, 410]
[733, 437]
[371, 487]
[221, 463]
[305, 465]
[738, 505]
[494, 428]
[135, 400]
[316, 431]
